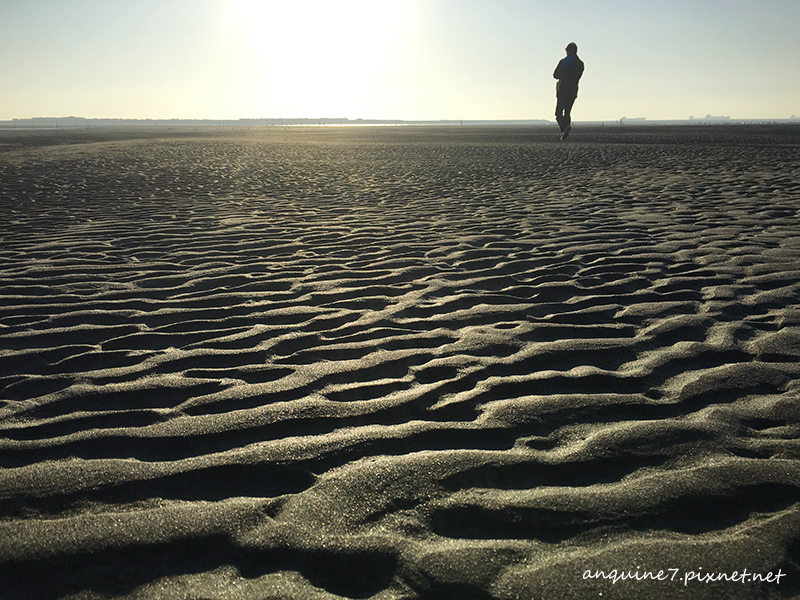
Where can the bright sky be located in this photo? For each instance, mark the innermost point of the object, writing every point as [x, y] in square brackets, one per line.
[396, 59]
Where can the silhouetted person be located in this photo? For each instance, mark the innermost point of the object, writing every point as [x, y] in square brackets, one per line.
[568, 72]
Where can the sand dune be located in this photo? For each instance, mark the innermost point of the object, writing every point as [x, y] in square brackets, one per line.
[399, 363]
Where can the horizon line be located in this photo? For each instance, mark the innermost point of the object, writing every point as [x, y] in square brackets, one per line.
[75, 121]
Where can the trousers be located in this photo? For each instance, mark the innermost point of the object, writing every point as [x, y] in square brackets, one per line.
[563, 109]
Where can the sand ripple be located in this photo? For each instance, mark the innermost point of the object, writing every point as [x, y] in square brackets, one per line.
[399, 363]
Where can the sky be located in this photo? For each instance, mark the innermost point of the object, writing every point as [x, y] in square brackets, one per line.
[396, 59]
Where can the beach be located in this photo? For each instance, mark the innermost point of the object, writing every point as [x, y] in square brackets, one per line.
[400, 363]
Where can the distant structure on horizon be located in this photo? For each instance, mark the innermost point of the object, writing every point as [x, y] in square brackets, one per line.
[710, 118]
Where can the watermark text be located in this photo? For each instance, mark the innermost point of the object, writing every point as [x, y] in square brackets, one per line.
[684, 576]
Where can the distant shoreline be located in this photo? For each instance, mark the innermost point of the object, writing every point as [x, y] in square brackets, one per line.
[64, 123]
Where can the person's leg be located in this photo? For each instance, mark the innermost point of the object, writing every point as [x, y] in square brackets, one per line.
[567, 116]
[560, 114]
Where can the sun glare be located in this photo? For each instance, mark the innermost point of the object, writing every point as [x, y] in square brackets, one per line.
[317, 57]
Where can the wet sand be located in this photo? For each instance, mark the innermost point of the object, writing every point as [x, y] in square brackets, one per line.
[400, 363]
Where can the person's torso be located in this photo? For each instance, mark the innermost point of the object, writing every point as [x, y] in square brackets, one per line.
[570, 69]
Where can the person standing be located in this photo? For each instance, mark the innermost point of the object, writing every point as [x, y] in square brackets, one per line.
[568, 72]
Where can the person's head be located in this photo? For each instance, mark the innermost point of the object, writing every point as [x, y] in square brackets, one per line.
[572, 48]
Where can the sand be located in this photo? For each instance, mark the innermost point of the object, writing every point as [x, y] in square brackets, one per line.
[400, 363]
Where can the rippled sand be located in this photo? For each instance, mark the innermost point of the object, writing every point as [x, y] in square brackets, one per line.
[399, 363]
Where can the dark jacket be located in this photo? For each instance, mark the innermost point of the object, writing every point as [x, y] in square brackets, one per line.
[568, 72]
